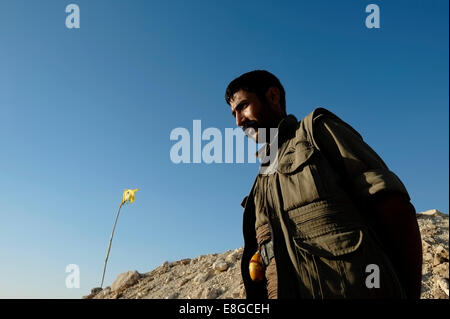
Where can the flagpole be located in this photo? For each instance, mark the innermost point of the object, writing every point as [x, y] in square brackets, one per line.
[110, 241]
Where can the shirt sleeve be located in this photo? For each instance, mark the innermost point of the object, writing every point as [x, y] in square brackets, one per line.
[364, 171]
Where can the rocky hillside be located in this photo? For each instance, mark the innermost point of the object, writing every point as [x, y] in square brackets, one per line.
[434, 229]
[218, 275]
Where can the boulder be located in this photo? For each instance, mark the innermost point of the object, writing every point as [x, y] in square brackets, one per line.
[220, 265]
[431, 212]
[185, 261]
[428, 257]
[202, 277]
[440, 256]
[441, 270]
[103, 293]
[125, 280]
[232, 257]
[443, 283]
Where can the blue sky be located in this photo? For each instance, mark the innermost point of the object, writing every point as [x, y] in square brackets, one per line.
[86, 113]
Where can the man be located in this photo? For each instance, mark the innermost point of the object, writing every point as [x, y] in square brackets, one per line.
[331, 220]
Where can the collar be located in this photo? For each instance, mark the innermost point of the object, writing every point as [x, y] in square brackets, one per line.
[285, 129]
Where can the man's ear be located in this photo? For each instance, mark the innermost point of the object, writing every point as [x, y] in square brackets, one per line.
[273, 96]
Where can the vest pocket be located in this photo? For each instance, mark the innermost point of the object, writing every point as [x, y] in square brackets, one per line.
[334, 265]
[324, 263]
[297, 176]
[332, 244]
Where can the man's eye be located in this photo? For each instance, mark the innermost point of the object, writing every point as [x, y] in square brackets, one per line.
[240, 107]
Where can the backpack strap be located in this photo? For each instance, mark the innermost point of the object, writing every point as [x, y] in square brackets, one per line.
[316, 114]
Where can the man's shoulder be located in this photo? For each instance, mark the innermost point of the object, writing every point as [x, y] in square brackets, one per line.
[321, 116]
[320, 113]
[317, 115]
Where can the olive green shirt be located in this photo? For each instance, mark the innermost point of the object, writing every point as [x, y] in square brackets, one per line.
[315, 202]
[364, 171]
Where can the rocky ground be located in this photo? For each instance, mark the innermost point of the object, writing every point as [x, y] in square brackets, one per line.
[434, 229]
[205, 277]
[218, 275]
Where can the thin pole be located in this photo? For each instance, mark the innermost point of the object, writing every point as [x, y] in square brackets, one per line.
[109, 246]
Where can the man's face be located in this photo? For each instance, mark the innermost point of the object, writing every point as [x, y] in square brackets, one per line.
[250, 112]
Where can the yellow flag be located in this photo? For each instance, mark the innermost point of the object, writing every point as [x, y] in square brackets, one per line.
[128, 195]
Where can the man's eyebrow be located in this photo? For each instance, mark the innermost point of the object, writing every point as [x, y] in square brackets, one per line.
[233, 111]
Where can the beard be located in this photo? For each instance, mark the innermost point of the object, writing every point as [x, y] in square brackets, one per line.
[252, 130]
[264, 123]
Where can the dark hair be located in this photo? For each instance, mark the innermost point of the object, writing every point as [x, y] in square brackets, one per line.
[258, 82]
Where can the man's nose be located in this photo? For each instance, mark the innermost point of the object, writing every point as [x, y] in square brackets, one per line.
[240, 120]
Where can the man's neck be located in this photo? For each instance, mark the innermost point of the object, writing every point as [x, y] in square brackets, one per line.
[275, 124]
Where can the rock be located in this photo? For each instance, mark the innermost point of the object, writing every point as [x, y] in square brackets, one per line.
[163, 268]
[196, 294]
[105, 292]
[443, 283]
[201, 278]
[425, 245]
[220, 265]
[96, 290]
[168, 279]
[211, 293]
[242, 293]
[173, 295]
[185, 261]
[441, 270]
[117, 294]
[440, 256]
[428, 257]
[182, 282]
[431, 212]
[125, 280]
[232, 257]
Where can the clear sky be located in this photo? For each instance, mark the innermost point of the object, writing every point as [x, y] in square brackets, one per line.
[86, 113]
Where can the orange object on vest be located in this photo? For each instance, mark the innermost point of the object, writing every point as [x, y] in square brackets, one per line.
[256, 268]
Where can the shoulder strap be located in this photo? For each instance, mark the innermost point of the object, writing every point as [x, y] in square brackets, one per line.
[316, 114]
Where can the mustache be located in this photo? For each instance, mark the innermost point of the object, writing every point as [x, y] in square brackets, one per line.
[250, 124]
